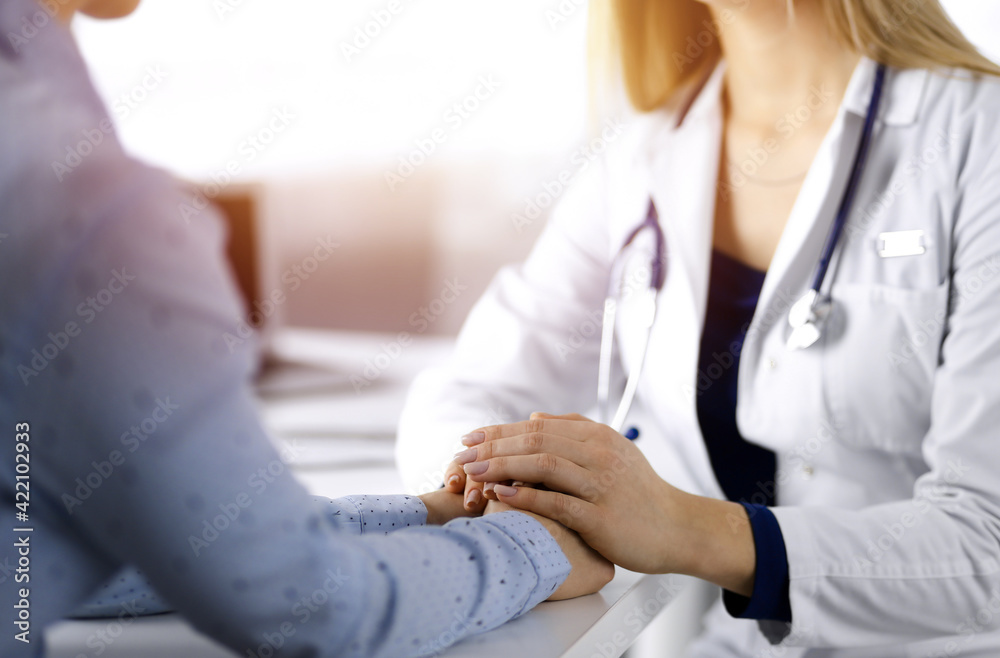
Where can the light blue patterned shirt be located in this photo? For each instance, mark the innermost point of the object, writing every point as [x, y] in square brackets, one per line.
[145, 445]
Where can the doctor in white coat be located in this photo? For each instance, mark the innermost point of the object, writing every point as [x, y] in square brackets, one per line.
[884, 497]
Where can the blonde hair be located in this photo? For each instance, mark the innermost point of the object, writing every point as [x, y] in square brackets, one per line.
[659, 45]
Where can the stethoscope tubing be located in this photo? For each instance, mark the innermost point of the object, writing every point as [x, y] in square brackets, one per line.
[658, 272]
[857, 171]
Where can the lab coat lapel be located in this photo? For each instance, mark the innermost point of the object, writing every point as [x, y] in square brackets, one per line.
[683, 169]
[683, 189]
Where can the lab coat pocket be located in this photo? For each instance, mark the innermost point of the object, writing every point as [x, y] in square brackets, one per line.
[882, 349]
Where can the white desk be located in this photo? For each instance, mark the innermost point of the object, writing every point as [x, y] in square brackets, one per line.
[343, 444]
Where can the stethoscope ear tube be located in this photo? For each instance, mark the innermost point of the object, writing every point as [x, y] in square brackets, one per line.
[604, 364]
[657, 277]
[635, 372]
[808, 315]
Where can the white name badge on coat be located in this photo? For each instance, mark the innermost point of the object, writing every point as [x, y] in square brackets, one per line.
[901, 243]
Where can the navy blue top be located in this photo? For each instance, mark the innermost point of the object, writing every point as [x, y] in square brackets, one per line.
[746, 472]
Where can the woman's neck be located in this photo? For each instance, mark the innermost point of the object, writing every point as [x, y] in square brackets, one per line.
[775, 63]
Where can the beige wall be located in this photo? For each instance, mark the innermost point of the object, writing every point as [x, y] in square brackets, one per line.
[449, 222]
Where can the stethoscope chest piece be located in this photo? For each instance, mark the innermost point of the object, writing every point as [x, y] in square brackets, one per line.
[807, 318]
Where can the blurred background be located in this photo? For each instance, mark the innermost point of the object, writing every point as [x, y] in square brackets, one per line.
[415, 134]
[413, 137]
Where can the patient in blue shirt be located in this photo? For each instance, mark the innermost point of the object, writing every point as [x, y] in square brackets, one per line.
[113, 310]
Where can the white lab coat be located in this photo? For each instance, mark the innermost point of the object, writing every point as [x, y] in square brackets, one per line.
[887, 431]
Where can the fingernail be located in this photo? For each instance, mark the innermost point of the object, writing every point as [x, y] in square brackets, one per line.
[474, 497]
[476, 468]
[466, 456]
[452, 480]
[473, 438]
[504, 490]
[489, 486]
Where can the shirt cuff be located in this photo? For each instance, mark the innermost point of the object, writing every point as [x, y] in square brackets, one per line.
[360, 515]
[770, 582]
[551, 566]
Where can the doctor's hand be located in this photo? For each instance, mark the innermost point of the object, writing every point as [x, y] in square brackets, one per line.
[599, 484]
[589, 571]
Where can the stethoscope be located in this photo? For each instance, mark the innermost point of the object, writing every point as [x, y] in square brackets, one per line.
[806, 318]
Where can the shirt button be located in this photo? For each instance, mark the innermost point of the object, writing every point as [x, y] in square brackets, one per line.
[807, 471]
[772, 364]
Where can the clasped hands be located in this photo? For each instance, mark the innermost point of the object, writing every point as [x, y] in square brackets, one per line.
[591, 487]
[594, 490]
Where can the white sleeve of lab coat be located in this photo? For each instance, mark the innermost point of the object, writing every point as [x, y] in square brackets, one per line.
[920, 568]
[531, 343]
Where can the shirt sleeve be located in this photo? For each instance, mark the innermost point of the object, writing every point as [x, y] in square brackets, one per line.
[353, 515]
[375, 514]
[769, 600]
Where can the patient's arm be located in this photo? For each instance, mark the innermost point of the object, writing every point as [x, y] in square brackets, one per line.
[382, 514]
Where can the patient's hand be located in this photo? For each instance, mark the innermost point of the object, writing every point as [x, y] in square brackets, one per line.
[443, 506]
[590, 571]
